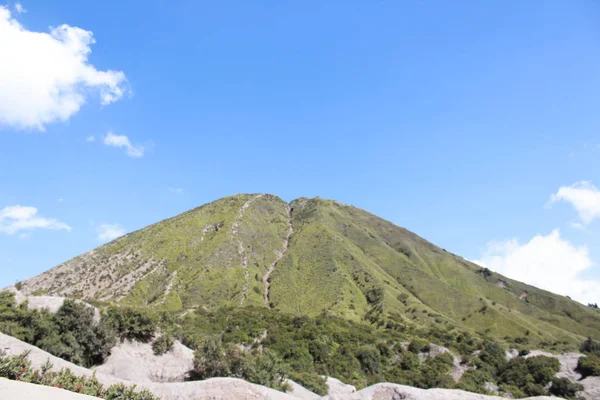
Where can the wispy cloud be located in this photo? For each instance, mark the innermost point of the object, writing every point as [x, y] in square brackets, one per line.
[19, 9]
[90, 139]
[122, 141]
[14, 219]
[107, 232]
[45, 77]
[176, 190]
[583, 196]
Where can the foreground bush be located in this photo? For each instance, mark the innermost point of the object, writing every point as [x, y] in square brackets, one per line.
[162, 344]
[263, 367]
[131, 323]
[589, 365]
[70, 334]
[19, 368]
[565, 388]
[529, 375]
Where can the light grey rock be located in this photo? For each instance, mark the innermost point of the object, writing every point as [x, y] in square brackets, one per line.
[13, 390]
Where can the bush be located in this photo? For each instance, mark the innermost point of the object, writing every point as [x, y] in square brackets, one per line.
[590, 346]
[263, 367]
[370, 360]
[474, 381]
[530, 375]
[311, 381]
[162, 344]
[565, 388]
[492, 358]
[78, 330]
[131, 323]
[71, 333]
[410, 361]
[418, 345]
[589, 365]
[19, 368]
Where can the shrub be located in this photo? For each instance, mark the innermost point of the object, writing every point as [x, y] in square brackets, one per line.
[589, 365]
[263, 367]
[565, 388]
[492, 358]
[370, 360]
[375, 295]
[162, 344]
[418, 345]
[19, 368]
[474, 381]
[311, 381]
[590, 346]
[410, 361]
[71, 333]
[131, 323]
[79, 331]
[530, 375]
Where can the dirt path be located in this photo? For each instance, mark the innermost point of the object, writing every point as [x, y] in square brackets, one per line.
[241, 248]
[280, 254]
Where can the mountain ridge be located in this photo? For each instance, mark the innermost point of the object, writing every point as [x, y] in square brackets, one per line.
[310, 256]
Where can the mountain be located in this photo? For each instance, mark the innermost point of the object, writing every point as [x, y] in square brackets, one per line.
[308, 257]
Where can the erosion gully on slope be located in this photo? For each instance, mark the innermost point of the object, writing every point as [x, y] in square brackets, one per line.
[241, 248]
[286, 244]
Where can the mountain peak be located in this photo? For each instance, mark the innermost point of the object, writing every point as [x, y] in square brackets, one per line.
[306, 257]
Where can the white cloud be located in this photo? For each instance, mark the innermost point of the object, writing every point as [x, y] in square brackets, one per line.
[14, 219]
[176, 190]
[8, 259]
[26, 235]
[19, 9]
[90, 139]
[46, 77]
[548, 262]
[583, 196]
[122, 141]
[60, 200]
[108, 232]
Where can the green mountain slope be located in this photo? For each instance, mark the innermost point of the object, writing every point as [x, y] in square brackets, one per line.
[308, 257]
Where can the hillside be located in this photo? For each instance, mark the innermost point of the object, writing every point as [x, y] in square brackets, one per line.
[308, 257]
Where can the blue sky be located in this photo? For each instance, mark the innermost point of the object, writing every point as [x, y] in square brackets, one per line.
[457, 120]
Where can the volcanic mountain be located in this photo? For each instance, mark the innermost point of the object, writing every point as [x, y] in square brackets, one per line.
[308, 257]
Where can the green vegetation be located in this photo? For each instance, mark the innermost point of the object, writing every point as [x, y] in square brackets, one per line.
[162, 344]
[133, 324]
[70, 334]
[267, 346]
[263, 367]
[357, 353]
[19, 368]
[529, 375]
[589, 365]
[563, 387]
[73, 335]
[340, 260]
[352, 296]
